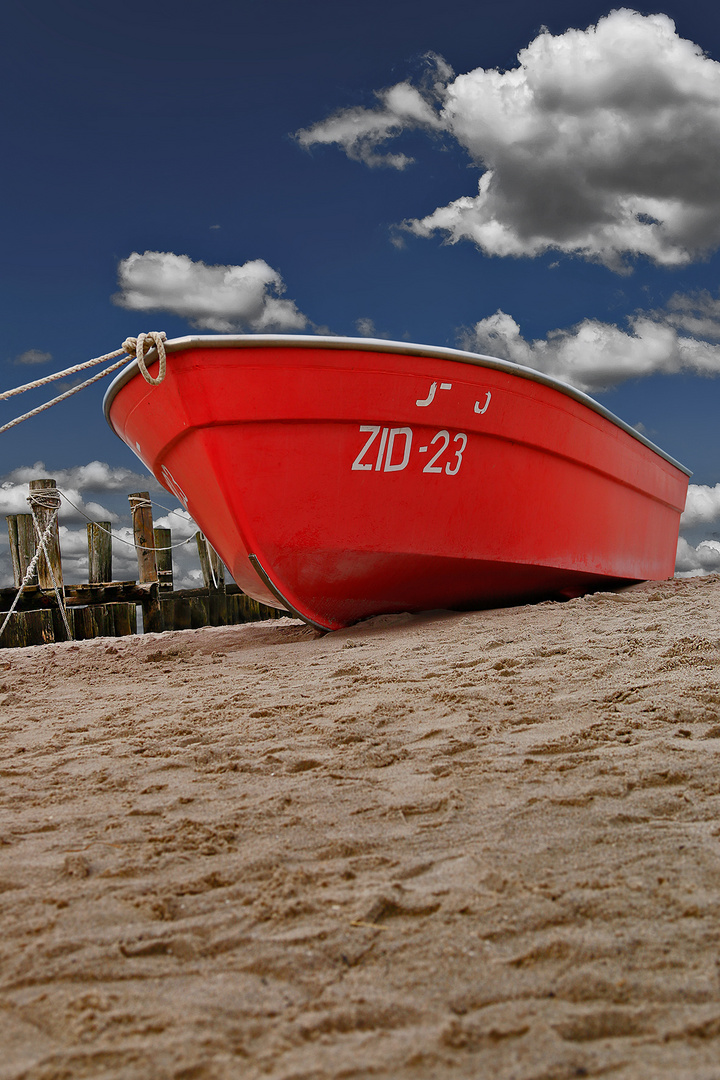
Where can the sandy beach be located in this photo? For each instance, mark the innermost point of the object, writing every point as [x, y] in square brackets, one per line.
[448, 845]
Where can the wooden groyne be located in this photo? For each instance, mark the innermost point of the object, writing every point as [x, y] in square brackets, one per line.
[48, 610]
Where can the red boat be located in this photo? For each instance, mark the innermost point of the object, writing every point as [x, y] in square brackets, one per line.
[342, 478]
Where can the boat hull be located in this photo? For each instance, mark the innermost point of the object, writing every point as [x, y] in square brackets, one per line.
[349, 480]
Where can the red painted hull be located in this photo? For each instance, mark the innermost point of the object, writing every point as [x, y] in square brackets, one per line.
[354, 478]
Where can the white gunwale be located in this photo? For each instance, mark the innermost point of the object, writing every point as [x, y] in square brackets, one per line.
[436, 352]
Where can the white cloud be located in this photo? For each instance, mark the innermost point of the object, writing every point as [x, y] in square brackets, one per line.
[222, 298]
[693, 561]
[697, 314]
[73, 543]
[594, 355]
[95, 476]
[702, 506]
[13, 500]
[98, 478]
[402, 107]
[366, 327]
[180, 522]
[33, 356]
[602, 142]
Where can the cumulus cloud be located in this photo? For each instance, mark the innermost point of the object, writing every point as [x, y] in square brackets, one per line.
[96, 476]
[360, 132]
[222, 298]
[702, 506]
[604, 143]
[694, 561]
[697, 314]
[33, 356]
[182, 525]
[13, 500]
[366, 327]
[595, 355]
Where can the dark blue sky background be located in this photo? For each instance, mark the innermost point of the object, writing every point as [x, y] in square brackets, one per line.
[141, 126]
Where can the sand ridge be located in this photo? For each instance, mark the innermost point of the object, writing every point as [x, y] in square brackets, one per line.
[446, 845]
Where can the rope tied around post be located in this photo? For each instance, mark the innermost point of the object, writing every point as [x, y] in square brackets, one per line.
[48, 500]
[139, 503]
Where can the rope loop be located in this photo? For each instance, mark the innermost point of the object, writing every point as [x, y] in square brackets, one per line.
[48, 499]
[136, 347]
[139, 504]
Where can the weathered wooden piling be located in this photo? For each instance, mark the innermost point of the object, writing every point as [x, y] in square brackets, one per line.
[213, 572]
[26, 546]
[14, 553]
[99, 552]
[28, 628]
[142, 520]
[141, 510]
[204, 556]
[163, 559]
[104, 620]
[45, 500]
[103, 607]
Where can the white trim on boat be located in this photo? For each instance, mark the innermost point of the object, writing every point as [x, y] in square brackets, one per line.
[436, 352]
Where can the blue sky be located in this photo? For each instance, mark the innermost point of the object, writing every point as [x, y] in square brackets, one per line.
[225, 135]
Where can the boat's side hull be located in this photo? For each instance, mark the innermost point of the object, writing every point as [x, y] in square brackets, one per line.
[365, 483]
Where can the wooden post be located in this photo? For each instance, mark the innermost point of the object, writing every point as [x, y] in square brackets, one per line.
[199, 612]
[125, 618]
[99, 552]
[214, 578]
[44, 500]
[14, 552]
[180, 612]
[153, 622]
[26, 545]
[163, 556]
[28, 628]
[202, 548]
[143, 532]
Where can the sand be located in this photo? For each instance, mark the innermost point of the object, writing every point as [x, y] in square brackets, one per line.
[448, 845]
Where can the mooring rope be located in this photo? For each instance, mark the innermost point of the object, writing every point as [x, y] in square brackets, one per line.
[133, 347]
[130, 543]
[49, 500]
[210, 552]
[29, 573]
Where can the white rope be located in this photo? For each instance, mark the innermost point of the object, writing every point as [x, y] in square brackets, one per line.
[61, 397]
[158, 339]
[31, 568]
[210, 552]
[139, 504]
[130, 543]
[49, 501]
[131, 347]
[62, 374]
